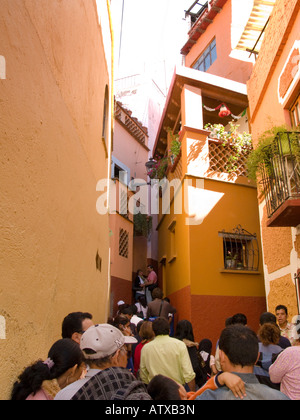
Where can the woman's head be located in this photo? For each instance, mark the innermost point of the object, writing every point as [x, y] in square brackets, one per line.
[65, 359]
[123, 324]
[146, 331]
[184, 329]
[269, 333]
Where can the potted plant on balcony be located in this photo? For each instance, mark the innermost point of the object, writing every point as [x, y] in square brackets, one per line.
[159, 169]
[266, 147]
[240, 143]
[142, 224]
[175, 146]
[230, 260]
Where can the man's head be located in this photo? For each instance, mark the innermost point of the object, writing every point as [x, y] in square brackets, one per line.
[161, 326]
[238, 349]
[239, 319]
[267, 317]
[127, 310]
[75, 324]
[104, 346]
[281, 315]
[150, 268]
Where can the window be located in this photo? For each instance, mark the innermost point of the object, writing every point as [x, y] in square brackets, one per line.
[123, 243]
[295, 113]
[240, 250]
[207, 58]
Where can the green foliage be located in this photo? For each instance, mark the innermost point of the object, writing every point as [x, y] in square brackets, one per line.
[241, 143]
[142, 224]
[266, 148]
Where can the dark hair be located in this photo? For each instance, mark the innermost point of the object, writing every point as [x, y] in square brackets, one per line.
[142, 300]
[120, 320]
[162, 388]
[240, 344]
[73, 323]
[150, 266]
[239, 319]
[228, 321]
[281, 307]
[126, 310]
[184, 329]
[161, 326]
[64, 353]
[267, 317]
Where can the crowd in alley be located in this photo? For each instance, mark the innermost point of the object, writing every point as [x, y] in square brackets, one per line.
[139, 354]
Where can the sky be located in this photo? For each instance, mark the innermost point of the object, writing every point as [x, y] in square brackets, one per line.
[153, 33]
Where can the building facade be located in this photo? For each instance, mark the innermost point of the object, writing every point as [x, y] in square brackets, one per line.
[273, 92]
[128, 172]
[209, 239]
[55, 146]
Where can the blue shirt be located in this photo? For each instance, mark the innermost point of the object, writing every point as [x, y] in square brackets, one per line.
[254, 391]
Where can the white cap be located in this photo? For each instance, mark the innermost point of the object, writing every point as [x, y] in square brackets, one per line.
[103, 340]
[121, 302]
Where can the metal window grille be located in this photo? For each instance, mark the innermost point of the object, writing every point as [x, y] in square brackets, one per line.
[240, 250]
[123, 243]
[281, 174]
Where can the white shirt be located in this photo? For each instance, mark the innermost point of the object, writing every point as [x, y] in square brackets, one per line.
[69, 391]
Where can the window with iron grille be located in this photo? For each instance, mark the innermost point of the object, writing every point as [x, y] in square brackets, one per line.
[240, 250]
[280, 173]
[123, 243]
[207, 58]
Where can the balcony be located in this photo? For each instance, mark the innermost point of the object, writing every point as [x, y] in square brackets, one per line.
[280, 180]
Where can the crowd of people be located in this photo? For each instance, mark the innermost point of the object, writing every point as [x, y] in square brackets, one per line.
[134, 356]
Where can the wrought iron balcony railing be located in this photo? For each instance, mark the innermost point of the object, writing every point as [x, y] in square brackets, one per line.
[281, 173]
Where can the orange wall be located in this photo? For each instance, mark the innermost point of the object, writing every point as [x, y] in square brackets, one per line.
[281, 33]
[280, 244]
[51, 107]
[224, 66]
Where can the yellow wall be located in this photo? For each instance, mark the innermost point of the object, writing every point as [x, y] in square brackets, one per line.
[237, 206]
[177, 270]
[52, 156]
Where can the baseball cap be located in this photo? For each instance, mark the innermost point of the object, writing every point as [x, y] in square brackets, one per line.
[103, 340]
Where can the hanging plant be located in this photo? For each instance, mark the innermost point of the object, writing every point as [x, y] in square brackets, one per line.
[142, 224]
[159, 169]
[265, 150]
